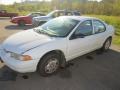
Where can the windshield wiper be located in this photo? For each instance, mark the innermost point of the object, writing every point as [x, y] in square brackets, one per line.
[45, 32]
[41, 31]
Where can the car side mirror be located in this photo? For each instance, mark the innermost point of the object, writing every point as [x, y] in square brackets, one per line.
[75, 36]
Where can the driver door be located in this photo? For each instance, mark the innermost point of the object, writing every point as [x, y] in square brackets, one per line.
[82, 40]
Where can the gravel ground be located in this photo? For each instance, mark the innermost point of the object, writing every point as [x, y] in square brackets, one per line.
[94, 71]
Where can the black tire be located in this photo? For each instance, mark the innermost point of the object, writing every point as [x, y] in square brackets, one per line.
[106, 48]
[45, 61]
[21, 23]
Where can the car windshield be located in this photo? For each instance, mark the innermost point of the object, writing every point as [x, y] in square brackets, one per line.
[58, 27]
[29, 14]
[33, 15]
[49, 14]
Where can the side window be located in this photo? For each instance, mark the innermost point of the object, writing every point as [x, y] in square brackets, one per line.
[76, 13]
[55, 14]
[85, 28]
[98, 26]
[68, 13]
[34, 15]
[61, 14]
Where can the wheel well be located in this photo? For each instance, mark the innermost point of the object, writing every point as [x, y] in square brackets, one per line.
[109, 37]
[54, 51]
[62, 57]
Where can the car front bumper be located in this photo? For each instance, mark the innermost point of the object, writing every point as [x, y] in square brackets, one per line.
[17, 65]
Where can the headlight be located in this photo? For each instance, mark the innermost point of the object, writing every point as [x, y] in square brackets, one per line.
[20, 57]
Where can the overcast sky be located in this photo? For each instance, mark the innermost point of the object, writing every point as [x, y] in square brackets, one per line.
[12, 1]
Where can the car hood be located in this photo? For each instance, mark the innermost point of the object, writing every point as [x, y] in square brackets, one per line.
[24, 41]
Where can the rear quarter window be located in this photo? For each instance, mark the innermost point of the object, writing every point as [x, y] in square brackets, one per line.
[99, 26]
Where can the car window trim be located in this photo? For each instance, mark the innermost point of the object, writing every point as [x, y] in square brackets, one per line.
[79, 25]
[101, 23]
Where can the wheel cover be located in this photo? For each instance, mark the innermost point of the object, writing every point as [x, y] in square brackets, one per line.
[52, 65]
[107, 44]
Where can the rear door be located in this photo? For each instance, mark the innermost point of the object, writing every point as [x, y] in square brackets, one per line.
[99, 32]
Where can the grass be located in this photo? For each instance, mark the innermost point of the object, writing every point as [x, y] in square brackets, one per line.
[112, 20]
[116, 40]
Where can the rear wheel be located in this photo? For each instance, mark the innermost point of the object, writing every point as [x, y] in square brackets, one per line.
[49, 64]
[21, 23]
[106, 45]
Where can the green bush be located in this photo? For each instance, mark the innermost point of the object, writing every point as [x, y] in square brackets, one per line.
[116, 40]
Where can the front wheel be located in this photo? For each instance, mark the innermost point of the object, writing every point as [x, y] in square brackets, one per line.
[49, 64]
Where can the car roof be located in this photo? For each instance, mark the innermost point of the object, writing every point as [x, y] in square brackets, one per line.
[58, 10]
[64, 11]
[37, 12]
[80, 17]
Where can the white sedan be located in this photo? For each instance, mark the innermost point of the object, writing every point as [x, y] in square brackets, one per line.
[50, 46]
